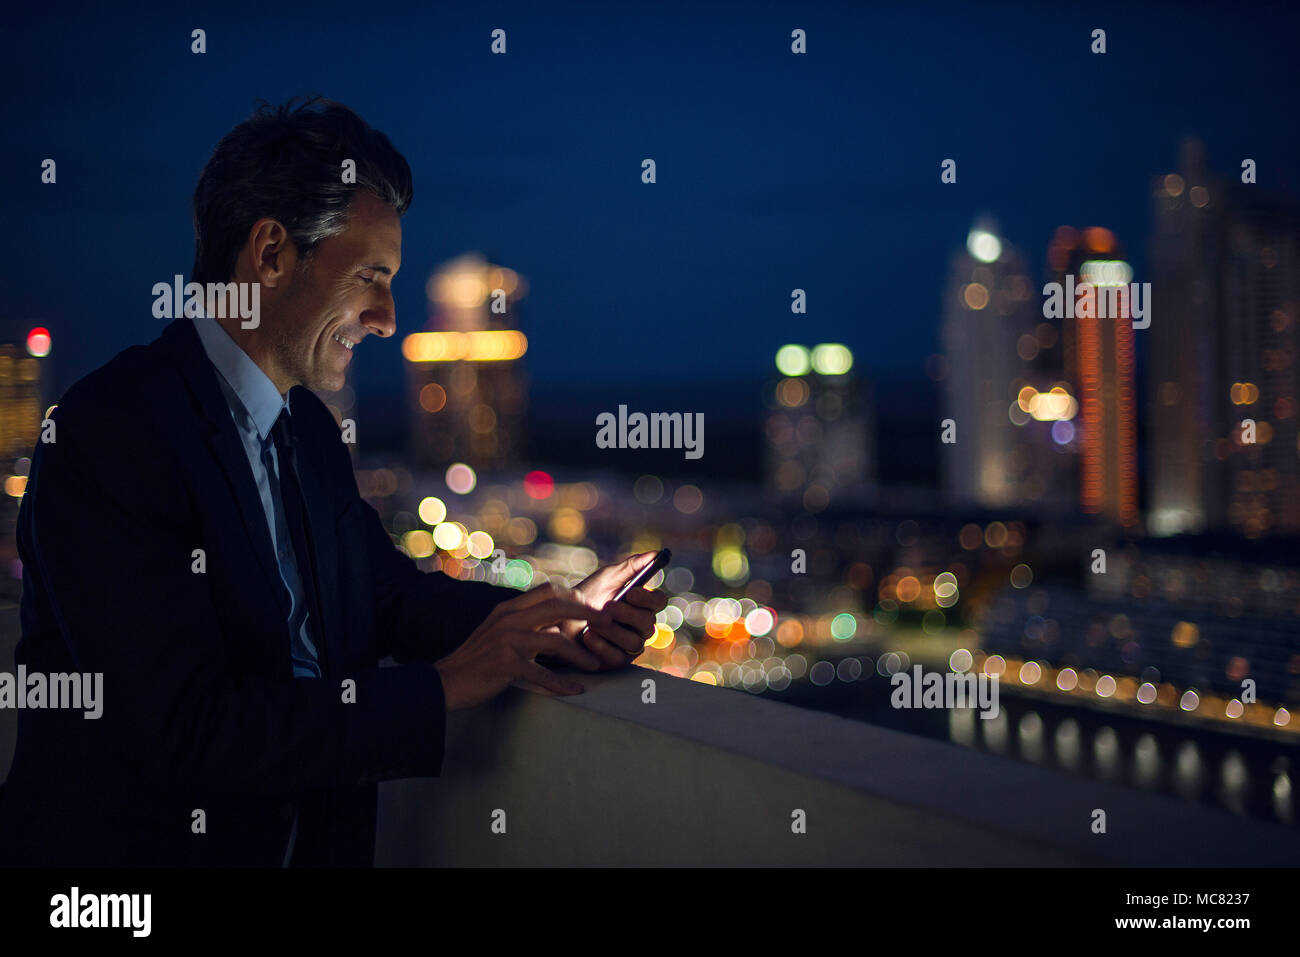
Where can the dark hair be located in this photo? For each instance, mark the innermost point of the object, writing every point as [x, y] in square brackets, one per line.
[286, 162]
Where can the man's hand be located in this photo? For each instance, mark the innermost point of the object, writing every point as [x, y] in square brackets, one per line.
[501, 650]
[619, 633]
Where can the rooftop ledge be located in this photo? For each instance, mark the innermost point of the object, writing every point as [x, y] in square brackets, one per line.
[709, 776]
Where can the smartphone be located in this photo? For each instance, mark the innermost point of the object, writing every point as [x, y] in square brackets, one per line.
[661, 561]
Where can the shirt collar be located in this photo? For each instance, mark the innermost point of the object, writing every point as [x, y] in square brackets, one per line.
[252, 387]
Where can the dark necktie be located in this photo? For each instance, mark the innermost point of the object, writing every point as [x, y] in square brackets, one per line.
[295, 514]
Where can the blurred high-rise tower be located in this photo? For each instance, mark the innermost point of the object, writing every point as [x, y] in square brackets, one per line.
[819, 427]
[1002, 383]
[24, 347]
[1225, 261]
[468, 389]
[1100, 365]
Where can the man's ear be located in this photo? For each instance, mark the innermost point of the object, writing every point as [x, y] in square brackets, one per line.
[272, 252]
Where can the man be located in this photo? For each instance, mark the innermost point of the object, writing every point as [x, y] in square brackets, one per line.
[193, 532]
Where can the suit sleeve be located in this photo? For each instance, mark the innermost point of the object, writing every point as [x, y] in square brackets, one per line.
[111, 533]
[422, 616]
[419, 616]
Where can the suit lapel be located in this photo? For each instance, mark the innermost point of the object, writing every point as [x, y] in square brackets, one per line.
[219, 433]
[312, 465]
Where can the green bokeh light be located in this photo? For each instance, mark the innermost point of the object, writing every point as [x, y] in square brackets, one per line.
[792, 360]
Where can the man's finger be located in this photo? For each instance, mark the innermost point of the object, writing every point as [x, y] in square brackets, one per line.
[550, 611]
[532, 671]
[634, 563]
[630, 628]
[550, 643]
[610, 654]
[656, 601]
[535, 596]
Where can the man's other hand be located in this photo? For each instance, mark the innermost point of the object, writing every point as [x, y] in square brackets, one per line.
[502, 649]
[619, 633]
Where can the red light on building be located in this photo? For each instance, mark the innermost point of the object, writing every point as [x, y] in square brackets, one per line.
[38, 342]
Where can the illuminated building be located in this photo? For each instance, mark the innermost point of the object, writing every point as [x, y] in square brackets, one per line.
[818, 426]
[1226, 262]
[1099, 363]
[23, 351]
[468, 390]
[1000, 359]
[23, 346]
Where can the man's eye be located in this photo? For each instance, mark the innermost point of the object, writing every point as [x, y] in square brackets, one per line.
[366, 278]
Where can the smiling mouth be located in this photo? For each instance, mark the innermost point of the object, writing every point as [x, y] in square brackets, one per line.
[345, 343]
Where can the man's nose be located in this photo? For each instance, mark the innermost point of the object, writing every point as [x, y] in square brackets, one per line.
[381, 320]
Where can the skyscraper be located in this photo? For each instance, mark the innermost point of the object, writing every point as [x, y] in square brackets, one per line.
[468, 390]
[1000, 357]
[819, 427]
[23, 351]
[23, 346]
[1100, 363]
[1226, 266]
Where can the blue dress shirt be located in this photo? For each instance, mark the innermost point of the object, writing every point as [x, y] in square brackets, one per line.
[255, 404]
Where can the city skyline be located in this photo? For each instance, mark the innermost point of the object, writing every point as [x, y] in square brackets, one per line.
[868, 242]
[935, 372]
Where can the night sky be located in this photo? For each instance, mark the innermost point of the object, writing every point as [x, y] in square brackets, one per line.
[775, 171]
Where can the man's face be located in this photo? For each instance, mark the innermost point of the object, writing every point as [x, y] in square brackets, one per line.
[338, 297]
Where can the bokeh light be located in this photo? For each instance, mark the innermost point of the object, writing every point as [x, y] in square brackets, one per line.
[461, 478]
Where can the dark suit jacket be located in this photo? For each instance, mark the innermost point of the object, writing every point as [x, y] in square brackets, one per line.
[200, 711]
